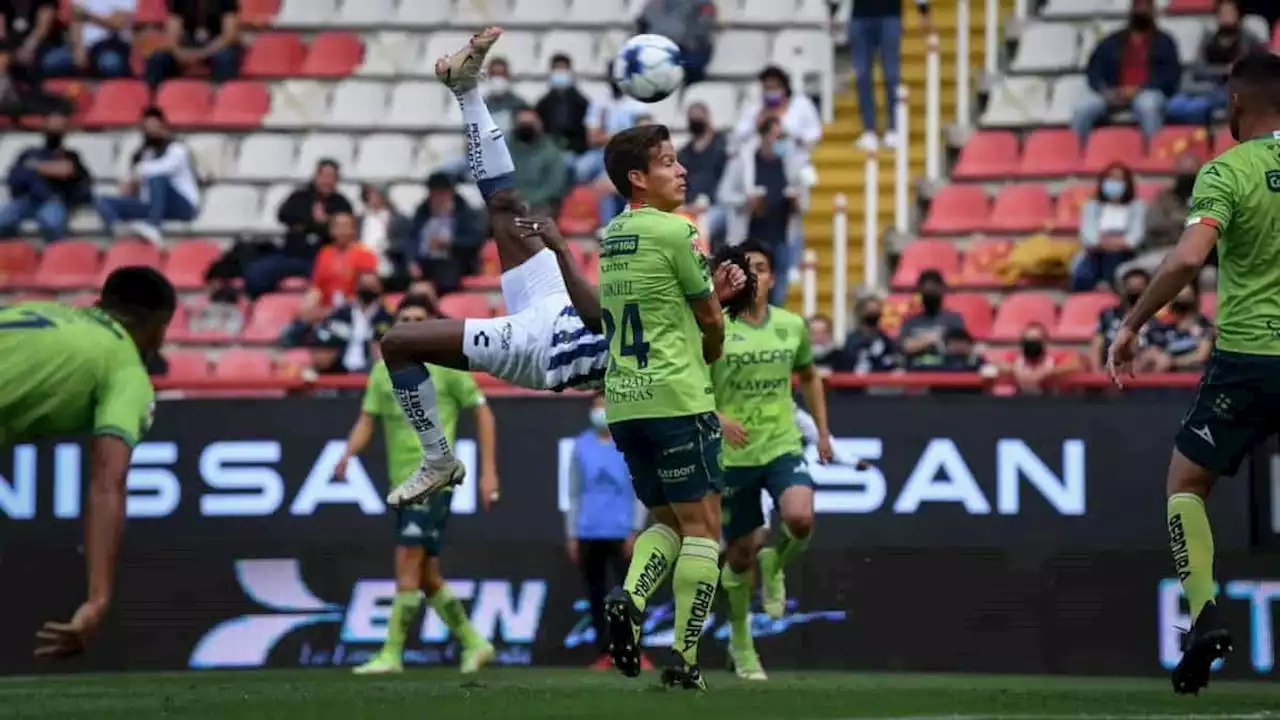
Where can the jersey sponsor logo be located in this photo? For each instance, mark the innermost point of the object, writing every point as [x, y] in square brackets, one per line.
[702, 597]
[1254, 598]
[1211, 171]
[679, 474]
[480, 338]
[1273, 181]
[619, 245]
[413, 529]
[760, 357]
[504, 336]
[504, 611]
[761, 386]
[1204, 205]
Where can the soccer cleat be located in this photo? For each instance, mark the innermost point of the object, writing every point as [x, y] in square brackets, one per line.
[684, 675]
[460, 72]
[746, 663]
[476, 657]
[624, 632]
[773, 584]
[433, 476]
[381, 664]
[1207, 641]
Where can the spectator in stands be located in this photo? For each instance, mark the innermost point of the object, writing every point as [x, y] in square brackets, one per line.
[345, 340]
[799, 116]
[1134, 68]
[45, 183]
[704, 158]
[691, 24]
[605, 117]
[875, 26]
[445, 236]
[502, 100]
[764, 191]
[1112, 228]
[563, 109]
[868, 348]
[1166, 217]
[222, 311]
[384, 231]
[1132, 285]
[338, 266]
[1034, 368]
[959, 354]
[198, 33]
[99, 37]
[163, 184]
[305, 215]
[827, 354]
[1185, 341]
[32, 37]
[1206, 91]
[541, 174]
[923, 335]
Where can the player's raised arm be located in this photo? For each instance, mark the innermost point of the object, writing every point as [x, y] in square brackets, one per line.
[582, 294]
[357, 440]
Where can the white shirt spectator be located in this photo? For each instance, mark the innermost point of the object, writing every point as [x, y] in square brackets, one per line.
[94, 33]
[801, 122]
[614, 115]
[173, 163]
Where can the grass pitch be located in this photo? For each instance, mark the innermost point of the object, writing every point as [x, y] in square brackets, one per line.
[560, 694]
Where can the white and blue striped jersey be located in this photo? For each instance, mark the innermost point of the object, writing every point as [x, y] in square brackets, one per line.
[578, 357]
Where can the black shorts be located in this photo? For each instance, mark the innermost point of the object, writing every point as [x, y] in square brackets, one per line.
[672, 460]
[1237, 406]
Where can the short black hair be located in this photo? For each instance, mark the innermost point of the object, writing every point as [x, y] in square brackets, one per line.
[561, 58]
[418, 300]
[755, 246]
[439, 180]
[773, 72]
[1135, 273]
[328, 162]
[154, 113]
[930, 276]
[140, 294]
[1257, 75]
[632, 150]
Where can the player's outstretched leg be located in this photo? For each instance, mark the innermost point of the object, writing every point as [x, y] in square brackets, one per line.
[796, 508]
[736, 579]
[476, 651]
[652, 558]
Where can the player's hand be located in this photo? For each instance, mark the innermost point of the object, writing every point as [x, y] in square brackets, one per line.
[826, 453]
[340, 470]
[545, 229]
[63, 640]
[571, 549]
[729, 280]
[734, 433]
[488, 490]
[1120, 357]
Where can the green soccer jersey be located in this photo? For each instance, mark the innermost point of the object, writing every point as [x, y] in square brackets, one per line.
[1239, 194]
[69, 371]
[650, 269]
[753, 385]
[455, 390]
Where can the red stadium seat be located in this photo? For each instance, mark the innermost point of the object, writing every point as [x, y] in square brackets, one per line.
[185, 102]
[332, 55]
[151, 12]
[1071, 200]
[1209, 305]
[921, 255]
[1173, 142]
[1018, 310]
[1190, 7]
[1223, 141]
[78, 92]
[187, 261]
[274, 55]
[258, 13]
[187, 365]
[240, 104]
[18, 263]
[118, 103]
[1110, 145]
[295, 284]
[1021, 209]
[981, 260]
[181, 330]
[490, 277]
[895, 309]
[580, 212]
[244, 364]
[68, 265]
[1050, 153]
[82, 300]
[975, 308]
[466, 305]
[988, 154]
[128, 252]
[1079, 319]
[293, 362]
[956, 210]
[269, 316]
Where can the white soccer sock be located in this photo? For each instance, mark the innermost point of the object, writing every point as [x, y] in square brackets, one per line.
[416, 394]
[487, 155]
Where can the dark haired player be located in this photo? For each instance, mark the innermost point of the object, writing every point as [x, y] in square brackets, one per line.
[1235, 205]
[764, 452]
[420, 528]
[71, 371]
[549, 340]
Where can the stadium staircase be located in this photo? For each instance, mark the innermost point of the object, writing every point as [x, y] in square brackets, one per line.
[841, 165]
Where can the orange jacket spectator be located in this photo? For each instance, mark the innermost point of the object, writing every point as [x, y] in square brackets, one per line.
[337, 268]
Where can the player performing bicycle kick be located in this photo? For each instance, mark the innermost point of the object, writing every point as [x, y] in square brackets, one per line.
[551, 337]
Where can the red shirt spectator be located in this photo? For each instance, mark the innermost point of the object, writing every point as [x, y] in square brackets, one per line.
[1135, 61]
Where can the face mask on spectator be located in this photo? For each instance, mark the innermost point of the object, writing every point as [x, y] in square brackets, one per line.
[598, 418]
[526, 132]
[367, 295]
[53, 140]
[871, 319]
[932, 302]
[226, 295]
[1112, 189]
[1032, 348]
[780, 147]
[697, 126]
[1131, 297]
[1182, 306]
[499, 86]
[774, 98]
[1142, 20]
[561, 79]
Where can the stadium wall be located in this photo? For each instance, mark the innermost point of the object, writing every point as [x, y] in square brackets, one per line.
[992, 535]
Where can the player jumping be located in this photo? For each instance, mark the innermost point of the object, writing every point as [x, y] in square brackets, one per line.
[70, 371]
[1235, 205]
[764, 452]
[544, 343]
[420, 529]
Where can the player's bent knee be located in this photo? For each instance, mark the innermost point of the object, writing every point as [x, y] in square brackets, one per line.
[741, 553]
[1188, 476]
[799, 523]
[432, 579]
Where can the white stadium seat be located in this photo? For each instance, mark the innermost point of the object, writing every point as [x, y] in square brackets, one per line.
[597, 12]
[358, 103]
[1092, 33]
[351, 191]
[768, 12]
[439, 44]
[266, 156]
[1047, 48]
[1188, 33]
[229, 208]
[578, 45]
[212, 153]
[802, 50]
[297, 103]
[610, 42]
[539, 12]
[424, 14]
[383, 157]
[321, 146]
[272, 199]
[721, 99]
[437, 149]
[1080, 8]
[388, 54]
[739, 53]
[812, 12]
[366, 13]
[406, 197]
[13, 144]
[97, 152]
[479, 13]
[1017, 101]
[416, 103]
[520, 48]
[1068, 92]
[299, 13]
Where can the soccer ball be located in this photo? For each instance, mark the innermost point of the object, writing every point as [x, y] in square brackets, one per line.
[648, 68]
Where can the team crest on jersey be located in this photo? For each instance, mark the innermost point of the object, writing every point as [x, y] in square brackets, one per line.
[1273, 181]
[781, 332]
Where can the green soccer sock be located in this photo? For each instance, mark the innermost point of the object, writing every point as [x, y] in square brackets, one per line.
[790, 547]
[696, 575]
[652, 556]
[455, 617]
[404, 609]
[737, 590]
[1191, 541]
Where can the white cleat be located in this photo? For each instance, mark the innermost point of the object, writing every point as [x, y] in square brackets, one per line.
[433, 476]
[460, 72]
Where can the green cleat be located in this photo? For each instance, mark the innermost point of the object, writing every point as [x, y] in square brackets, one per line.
[383, 663]
[746, 663]
[773, 584]
[476, 657]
